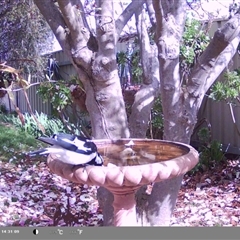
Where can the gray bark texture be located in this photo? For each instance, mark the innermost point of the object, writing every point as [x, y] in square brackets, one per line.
[94, 58]
[144, 98]
[181, 103]
[95, 61]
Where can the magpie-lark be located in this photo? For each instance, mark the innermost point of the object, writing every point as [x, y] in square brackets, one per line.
[71, 149]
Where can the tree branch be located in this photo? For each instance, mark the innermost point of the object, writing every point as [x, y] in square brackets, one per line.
[69, 29]
[78, 3]
[145, 46]
[151, 13]
[222, 62]
[144, 98]
[28, 86]
[55, 20]
[74, 21]
[126, 15]
[170, 16]
[105, 29]
[215, 58]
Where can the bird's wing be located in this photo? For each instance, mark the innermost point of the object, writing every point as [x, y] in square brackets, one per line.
[66, 156]
[62, 140]
[57, 138]
[42, 151]
[71, 157]
[77, 143]
[69, 137]
[50, 141]
[69, 142]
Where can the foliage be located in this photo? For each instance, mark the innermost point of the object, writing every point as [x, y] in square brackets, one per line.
[51, 125]
[227, 90]
[136, 67]
[24, 32]
[157, 114]
[17, 81]
[194, 42]
[155, 129]
[3, 109]
[211, 153]
[129, 64]
[14, 142]
[58, 94]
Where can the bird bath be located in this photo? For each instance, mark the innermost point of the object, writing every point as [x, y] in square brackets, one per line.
[126, 169]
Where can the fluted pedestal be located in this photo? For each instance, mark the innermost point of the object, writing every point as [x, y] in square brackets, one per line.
[123, 181]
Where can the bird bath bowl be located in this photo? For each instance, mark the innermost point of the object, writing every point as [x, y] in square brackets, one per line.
[126, 169]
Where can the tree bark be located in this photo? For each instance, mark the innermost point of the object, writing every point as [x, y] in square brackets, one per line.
[138, 121]
[108, 106]
[181, 103]
[97, 70]
[144, 98]
[211, 63]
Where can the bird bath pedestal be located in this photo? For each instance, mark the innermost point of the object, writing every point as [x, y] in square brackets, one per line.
[126, 169]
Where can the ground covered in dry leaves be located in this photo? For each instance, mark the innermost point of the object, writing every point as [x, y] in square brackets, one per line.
[32, 196]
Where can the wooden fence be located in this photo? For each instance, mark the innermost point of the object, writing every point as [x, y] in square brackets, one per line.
[35, 99]
[36, 102]
[218, 114]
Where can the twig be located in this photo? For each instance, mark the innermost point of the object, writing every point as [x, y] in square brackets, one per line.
[19, 89]
[233, 118]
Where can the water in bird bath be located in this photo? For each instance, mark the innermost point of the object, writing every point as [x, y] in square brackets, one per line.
[139, 152]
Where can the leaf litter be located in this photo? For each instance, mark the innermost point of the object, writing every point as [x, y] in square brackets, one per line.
[30, 195]
[211, 198]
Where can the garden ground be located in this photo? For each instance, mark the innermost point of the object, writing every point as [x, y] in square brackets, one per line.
[32, 196]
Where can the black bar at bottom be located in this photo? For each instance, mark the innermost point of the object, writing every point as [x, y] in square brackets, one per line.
[118, 233]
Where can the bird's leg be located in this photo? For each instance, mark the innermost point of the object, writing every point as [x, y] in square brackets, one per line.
[80, 166]
[84, 167]
[73, 167]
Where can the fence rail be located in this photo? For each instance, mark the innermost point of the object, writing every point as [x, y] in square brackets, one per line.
[35, 99]
[36, 102]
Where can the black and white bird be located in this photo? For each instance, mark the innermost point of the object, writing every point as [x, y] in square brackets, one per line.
[71, 149]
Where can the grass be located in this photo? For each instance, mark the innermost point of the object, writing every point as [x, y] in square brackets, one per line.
[51, 125]
[17, 139]
[14, 143]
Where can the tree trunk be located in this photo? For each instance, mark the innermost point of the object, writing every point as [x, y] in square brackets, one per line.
[156, 209]
[141, 109]
[144, 98]
[94, 58]
[181, 104]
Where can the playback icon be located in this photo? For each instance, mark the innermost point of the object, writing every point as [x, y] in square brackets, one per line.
[35, 231]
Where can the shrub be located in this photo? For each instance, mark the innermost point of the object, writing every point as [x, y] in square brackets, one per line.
[210, 151]
[51, 125]
[14, 142]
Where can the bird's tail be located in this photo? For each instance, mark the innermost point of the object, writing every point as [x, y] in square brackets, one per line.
[38, 152]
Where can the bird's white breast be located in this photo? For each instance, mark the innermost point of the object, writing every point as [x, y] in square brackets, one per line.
[71, 157]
